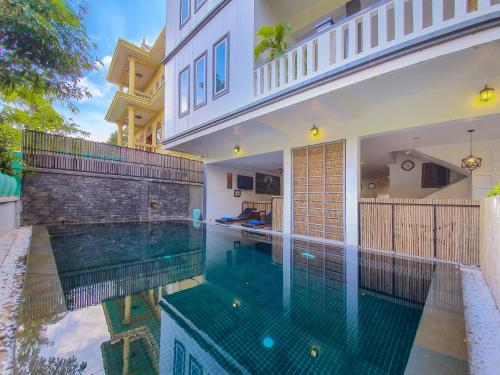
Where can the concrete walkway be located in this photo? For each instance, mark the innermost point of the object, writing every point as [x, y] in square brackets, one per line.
[14, 247]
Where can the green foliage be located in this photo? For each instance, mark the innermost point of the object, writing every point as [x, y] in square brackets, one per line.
[45, 52]
[45, 48]
[113, 138]
[495, 190]
[273, 40]
[8, 137]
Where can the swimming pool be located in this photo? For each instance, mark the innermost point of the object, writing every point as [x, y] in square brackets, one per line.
[178, 298]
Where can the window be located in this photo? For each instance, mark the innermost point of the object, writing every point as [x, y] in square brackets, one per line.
[184, 92]
[194, 367]
[185, 11]
[198, 4]
[220, 75]
[200, 80]
[179, 358]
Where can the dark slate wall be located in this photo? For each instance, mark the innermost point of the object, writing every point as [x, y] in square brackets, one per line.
[51, 196]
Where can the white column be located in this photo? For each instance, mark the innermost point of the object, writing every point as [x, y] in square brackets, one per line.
[352, 187]
[287, 191]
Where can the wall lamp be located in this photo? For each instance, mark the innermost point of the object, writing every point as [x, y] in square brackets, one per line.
[486, 94]
[236, 150]
[314, 131]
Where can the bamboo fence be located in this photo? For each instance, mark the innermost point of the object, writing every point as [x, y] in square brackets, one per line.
[445, 229]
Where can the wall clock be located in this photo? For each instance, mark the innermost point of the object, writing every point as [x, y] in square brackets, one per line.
[407, 165]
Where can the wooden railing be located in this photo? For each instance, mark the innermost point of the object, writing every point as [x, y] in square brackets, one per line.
[441, 229]
[41, 150]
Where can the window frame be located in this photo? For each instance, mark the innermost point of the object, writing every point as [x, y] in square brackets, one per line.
[197, 8]
[178, 344]
[226, 38]
[204, 54]
[187, 68]
[193, 362]
[182, 23]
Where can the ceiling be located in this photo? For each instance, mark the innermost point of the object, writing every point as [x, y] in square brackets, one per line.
[269, 162]
[376, 150]
[303, 15]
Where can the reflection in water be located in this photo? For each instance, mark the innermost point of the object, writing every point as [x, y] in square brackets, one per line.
[184, 299]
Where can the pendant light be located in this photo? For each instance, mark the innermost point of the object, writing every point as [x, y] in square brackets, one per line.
[471, 162]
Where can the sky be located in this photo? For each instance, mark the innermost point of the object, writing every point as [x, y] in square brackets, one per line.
[106, 22]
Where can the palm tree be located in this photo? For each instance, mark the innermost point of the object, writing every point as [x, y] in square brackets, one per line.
[273, 40]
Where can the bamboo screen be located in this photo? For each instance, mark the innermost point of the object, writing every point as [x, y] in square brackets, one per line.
[318, 191]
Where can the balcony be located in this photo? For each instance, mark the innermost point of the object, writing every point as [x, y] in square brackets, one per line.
[379, 29]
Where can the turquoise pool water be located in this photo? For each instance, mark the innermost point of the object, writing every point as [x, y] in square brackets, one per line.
[172, 298]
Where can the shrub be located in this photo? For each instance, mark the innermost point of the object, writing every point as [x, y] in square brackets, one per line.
[495, 190]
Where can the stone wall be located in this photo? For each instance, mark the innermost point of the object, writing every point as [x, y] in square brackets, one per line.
[56, 196]
[489, 253]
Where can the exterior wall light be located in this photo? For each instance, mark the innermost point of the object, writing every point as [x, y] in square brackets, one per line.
[314, 131]
[471, 162]
[236, 150]
[486, 94]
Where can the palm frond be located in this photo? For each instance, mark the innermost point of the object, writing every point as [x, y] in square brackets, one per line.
[273, 39]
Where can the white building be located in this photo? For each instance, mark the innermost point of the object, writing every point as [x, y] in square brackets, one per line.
[385, 83]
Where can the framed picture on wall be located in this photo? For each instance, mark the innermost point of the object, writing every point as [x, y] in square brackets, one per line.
[237, 193]
[267, 184]
[229, 178]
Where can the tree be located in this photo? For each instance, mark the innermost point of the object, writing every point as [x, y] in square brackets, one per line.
[113, 138]
[273, 40]
[45, 52]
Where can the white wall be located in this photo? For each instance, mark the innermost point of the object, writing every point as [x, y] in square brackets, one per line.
[220, 200]
[9, 214]
[381, 188]
[484, 178]
[408, 184]
[236, 18]
[176, 35]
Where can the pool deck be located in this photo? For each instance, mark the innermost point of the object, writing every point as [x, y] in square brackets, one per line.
[440, 345]
[13, 250]
[483, 323]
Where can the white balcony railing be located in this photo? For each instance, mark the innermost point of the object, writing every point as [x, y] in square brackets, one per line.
[372, 30]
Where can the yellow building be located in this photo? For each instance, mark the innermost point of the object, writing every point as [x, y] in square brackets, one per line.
[137, 107]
